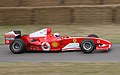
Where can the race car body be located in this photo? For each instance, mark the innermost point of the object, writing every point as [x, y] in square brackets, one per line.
[44, 40]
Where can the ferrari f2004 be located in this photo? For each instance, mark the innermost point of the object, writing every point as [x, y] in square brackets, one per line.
[45, 40]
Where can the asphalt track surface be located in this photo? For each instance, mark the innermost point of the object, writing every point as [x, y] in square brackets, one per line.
[71, 56]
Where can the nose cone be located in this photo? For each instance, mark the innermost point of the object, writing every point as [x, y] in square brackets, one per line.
[103, 44]
[109, 43]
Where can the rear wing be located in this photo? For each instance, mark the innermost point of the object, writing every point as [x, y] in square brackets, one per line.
[10, 36]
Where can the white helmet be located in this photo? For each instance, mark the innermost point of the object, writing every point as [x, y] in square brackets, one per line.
[57, 35]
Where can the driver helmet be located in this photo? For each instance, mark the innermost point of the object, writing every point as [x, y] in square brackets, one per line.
[57, 35]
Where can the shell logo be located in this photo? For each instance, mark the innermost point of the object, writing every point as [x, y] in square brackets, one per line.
[55, 44]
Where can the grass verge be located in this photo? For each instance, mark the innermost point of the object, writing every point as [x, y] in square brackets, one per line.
[109, 32]
[59, 68]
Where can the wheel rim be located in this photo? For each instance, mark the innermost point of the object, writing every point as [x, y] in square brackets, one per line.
[16, 46]
[87, 46]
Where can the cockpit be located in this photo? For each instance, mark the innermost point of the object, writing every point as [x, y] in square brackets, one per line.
[41, 33]
[44, 32]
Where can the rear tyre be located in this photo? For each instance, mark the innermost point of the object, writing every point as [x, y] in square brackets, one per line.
[93, 35]
[87, 46]
[17, 46]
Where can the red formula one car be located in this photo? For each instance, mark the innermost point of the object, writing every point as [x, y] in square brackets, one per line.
[44, 40]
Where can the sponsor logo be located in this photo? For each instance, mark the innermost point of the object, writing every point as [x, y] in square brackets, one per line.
[55, 44]
[7, 41]
[10, 38]
[45, 46]
[98, 41]
[74, 40]
[71, 46]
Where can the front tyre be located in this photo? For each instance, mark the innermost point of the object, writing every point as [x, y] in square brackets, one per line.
[17, 46]
[93, 35]
[87, 46]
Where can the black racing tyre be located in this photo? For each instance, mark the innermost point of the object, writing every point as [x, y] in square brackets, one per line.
[93, 35]
[17, 46]
[87, 46]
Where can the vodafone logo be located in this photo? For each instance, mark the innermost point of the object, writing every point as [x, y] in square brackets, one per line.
[98, 41]
[45, 46]
[7, 41]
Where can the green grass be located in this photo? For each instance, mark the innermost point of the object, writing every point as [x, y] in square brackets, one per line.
[109, 32]
[59, 68]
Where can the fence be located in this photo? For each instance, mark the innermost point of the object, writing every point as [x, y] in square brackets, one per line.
[36, 3]
[60, 15]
